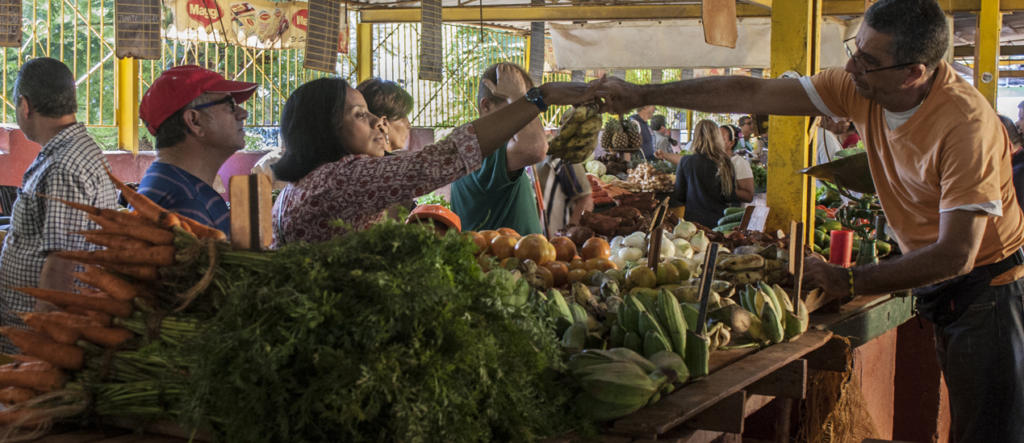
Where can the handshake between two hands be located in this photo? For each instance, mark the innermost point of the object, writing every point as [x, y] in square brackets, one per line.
[612, 94]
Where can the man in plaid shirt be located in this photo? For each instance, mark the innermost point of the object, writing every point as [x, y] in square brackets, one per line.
[70, 166]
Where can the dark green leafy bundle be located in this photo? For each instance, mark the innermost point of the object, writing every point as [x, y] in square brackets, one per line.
[390, 334]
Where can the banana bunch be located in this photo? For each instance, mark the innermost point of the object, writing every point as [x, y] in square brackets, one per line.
[578, 136]
[618, 381]
[780, 320]
[741, 269]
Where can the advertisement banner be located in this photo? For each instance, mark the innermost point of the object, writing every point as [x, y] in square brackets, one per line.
[250, 23]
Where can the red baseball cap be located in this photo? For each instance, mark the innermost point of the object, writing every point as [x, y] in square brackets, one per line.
[178, 86]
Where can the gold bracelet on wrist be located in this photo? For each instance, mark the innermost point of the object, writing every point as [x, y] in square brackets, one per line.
[850, 271]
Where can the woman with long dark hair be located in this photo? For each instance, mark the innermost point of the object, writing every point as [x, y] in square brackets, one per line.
[705, 180]
[336, 168]
[731, 135]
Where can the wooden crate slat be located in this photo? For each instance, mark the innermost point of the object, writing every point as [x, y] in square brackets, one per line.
[687, 402]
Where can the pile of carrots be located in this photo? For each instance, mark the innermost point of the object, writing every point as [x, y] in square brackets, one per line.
[136, 245]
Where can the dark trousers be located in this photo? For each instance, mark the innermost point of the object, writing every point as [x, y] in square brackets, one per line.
[982, 360]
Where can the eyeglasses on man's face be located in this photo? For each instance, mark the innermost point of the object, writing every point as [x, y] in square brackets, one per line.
[230, 100]
[860, 63]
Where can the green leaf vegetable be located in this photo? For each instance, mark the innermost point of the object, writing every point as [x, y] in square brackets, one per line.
[390, 334]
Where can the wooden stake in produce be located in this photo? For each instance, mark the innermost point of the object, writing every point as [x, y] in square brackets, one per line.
[796, 258]
[654, 243]
[251, 226]
[706, 279]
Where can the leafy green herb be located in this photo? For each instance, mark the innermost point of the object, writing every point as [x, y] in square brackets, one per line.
[389, 334]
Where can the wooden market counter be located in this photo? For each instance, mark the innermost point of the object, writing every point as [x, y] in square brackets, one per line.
[730, 403]
[747, 388]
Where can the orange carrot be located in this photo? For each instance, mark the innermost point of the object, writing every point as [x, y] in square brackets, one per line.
[108, 283]
[116, 215]
[113, 241]
[144, 206]
[37, 345]
[202, 231]
[140, 272]
[154, 235]
[59, 334]
[101, 318]
[13, 395]
[153, 256]
[107, 337]
[24, 358]
[87, 300]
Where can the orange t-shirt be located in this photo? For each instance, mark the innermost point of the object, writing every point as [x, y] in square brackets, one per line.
[951, 153]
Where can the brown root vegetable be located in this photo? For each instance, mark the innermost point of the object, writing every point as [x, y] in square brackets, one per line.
[601, 224]
[13, 395]
[579, 235]
[142, 230]
[107, 337]
[37, 345]
[113, 241]
[87, 300]
[106, 282]
[152, 256]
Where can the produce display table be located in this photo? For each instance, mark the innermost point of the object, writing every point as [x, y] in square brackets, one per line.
[741, 382]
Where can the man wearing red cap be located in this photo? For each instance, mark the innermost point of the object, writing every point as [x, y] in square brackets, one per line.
[196, 117]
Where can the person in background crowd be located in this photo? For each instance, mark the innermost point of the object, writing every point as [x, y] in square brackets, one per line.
[1020, 117]
[1017, 158]
[335, 159]
[741, 166]
[392, 104]
[566, 191]
[846, 132]
[746, 124]
[500, 193]
[197, 119]
[70, 166]
[663, 140]
[940, 161]
[641, 117]
[705, 180]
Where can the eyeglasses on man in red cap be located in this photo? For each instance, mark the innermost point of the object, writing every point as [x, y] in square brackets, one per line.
[178, 86]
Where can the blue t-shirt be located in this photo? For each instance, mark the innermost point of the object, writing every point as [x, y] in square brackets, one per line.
[175, 189]
[492, 197]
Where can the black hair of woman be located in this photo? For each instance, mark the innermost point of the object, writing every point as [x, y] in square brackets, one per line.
[311, 128]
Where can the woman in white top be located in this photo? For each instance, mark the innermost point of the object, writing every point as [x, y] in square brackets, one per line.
[744, 175]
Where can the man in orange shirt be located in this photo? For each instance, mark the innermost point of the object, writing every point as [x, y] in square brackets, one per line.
[940, 161]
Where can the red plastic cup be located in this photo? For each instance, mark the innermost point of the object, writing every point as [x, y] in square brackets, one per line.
[840, 248]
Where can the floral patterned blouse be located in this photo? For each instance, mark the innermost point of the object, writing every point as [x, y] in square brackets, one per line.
[358, 189]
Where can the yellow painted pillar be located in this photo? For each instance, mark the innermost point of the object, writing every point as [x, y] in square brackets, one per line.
[986, 50]
[127, 110]
[364, 51]
[794, 46]
[526, 61]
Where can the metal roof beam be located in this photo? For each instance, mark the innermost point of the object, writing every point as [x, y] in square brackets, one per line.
[968, 50]
[627, 12]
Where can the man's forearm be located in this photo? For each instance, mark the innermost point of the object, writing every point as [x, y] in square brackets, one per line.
[922, 267]
[56, 273]
[732, 94]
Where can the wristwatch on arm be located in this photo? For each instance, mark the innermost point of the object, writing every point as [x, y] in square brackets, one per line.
[534, 96]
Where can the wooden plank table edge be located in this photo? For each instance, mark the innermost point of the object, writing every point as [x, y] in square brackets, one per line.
[678, 407]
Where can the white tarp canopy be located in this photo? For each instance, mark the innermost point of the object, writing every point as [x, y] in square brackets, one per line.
[669, 44]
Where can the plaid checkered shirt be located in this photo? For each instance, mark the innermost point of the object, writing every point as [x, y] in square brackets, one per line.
[72, 167]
